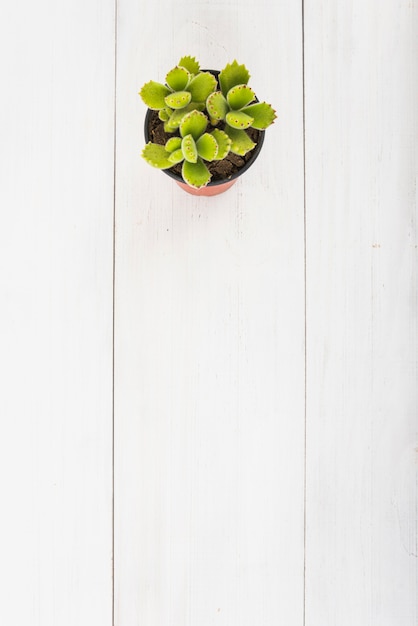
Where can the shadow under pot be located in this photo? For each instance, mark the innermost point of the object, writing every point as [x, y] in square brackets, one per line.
[224, 173]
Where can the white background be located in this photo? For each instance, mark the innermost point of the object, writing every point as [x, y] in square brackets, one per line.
[209, 405]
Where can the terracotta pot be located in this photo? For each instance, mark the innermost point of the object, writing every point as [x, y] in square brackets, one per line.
[211, 189]
[215, 187]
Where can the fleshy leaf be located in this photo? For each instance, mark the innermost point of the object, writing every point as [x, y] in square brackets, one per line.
[207, 147]
[263, 114]
[168, 128]
[176, 157]
[190, 64]
[177, 78]
[153, 95]
[233, 74]
[240, 141]
[238, 119]
[177, 116]
[196, 174]
[201, 86]
[189, 149]
[239, 96]
[157, 156]
[217, 106]
[194, 123]
[174, 143]
[178, 100]
[224, 143]
[163, 115]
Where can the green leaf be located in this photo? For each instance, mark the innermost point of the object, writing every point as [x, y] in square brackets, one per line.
[174, 143]
[153, 95]
[207, 147]
[157, 156]
[240, 141]
[232, 75]
[168, 128]
[238, 119]
[201, 86]
[189, 149]
[217, 106]
[177, 78]
[177, 116]
[163, 115]
[176, 157]
[262, 113]
[239, 96]
[190, 64]
[196, 175]
[224, 143]
[193, 123]
[178, 100]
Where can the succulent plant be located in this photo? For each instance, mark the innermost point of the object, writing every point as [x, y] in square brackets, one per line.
[186, 89]
[192, 148]
[236, 104]
[187, 102]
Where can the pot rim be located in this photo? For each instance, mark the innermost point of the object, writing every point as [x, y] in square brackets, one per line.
[254, 153]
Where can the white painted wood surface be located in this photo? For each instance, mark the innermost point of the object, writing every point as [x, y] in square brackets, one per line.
[361, 146]
[265, 341]
[56, 198]
[209, 387]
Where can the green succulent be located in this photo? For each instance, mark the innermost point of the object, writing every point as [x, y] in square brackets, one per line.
[192, 148]
[186, 89]
[236, 104]
[188, 100]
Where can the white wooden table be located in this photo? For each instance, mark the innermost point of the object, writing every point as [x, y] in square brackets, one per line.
[209, 405]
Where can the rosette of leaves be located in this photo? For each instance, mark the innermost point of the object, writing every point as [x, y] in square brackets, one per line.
[193, 147]
[186, 89]
[236, 104]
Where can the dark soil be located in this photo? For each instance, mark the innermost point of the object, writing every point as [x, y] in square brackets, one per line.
[220, 170]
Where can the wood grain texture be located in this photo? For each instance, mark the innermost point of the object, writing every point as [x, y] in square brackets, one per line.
[361, 142]
[209, 378]
[258, 479]
[56, 195]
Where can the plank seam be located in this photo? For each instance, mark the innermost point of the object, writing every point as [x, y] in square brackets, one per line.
[113, 303]
[305, 308]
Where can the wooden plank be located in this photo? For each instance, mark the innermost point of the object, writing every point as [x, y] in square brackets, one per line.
[361, 134]
[209, 378]
[56, 161]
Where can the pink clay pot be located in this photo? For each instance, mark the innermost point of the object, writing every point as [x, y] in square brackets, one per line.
[209, 190]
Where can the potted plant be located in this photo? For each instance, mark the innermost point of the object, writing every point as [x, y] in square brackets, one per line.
[204, 128]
